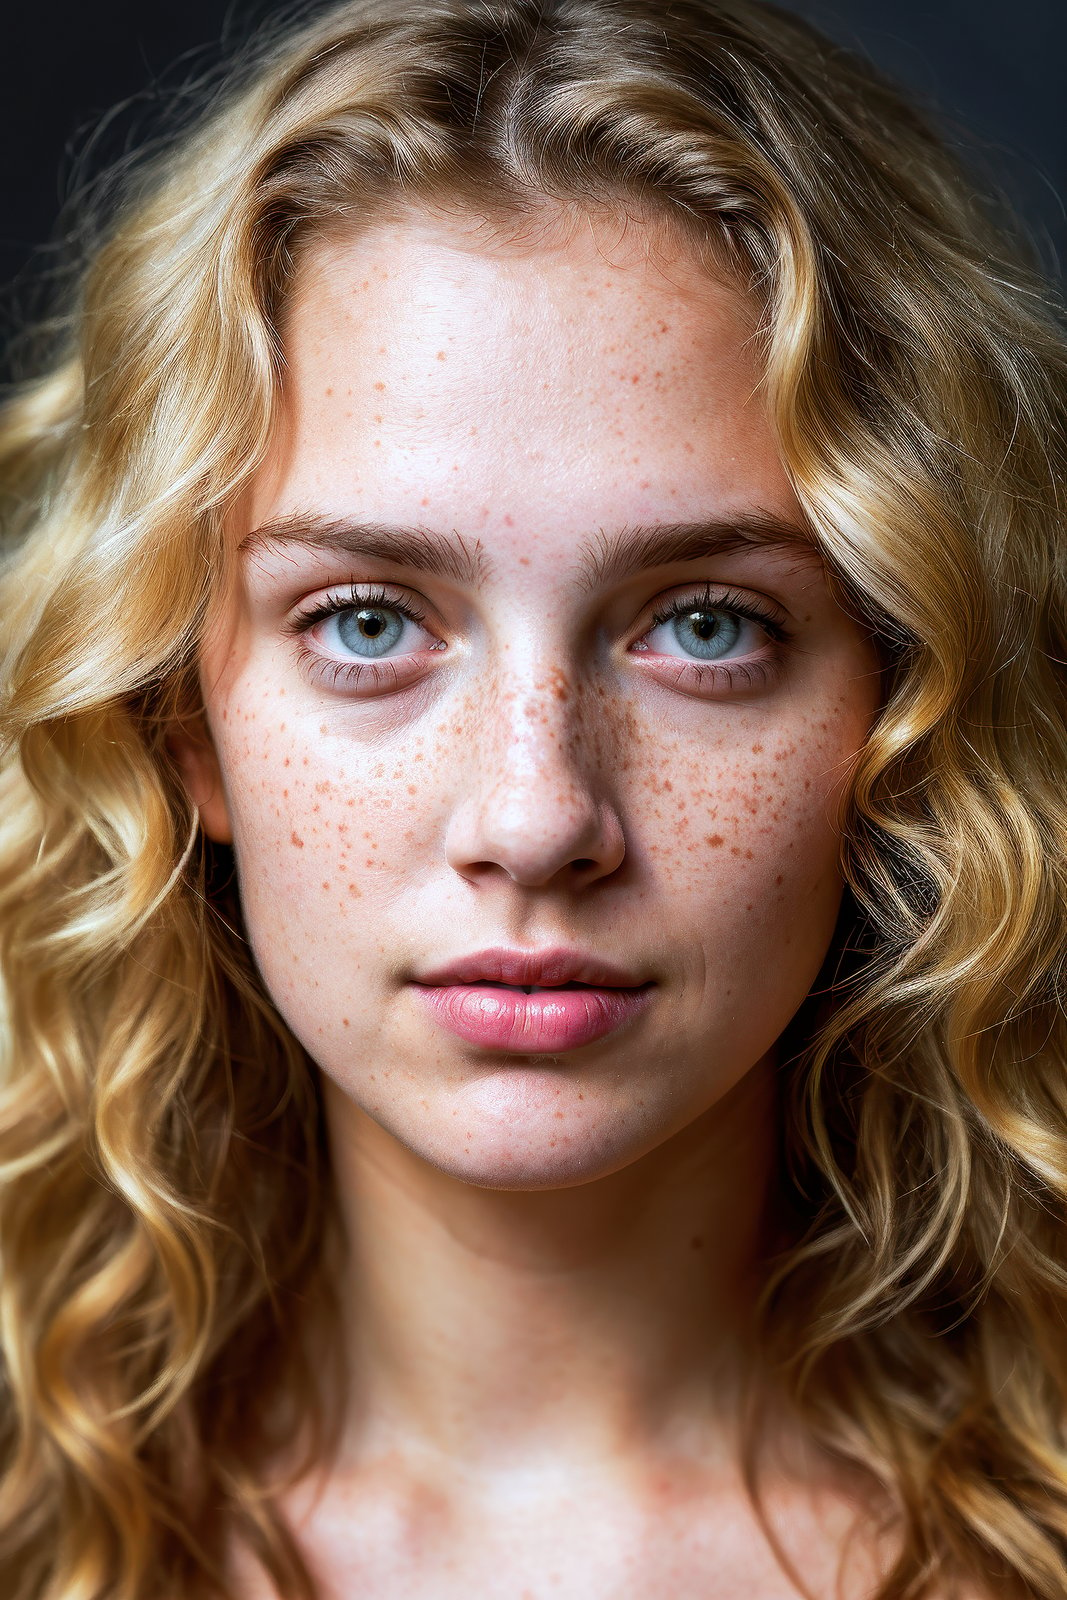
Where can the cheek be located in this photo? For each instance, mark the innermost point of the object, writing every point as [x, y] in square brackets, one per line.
[324, 841]
[744, 837]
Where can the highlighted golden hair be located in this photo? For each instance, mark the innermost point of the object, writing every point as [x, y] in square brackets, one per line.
[155, 1113]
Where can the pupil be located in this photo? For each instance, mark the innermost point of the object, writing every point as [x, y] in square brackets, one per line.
[704, 625]
[371, 623]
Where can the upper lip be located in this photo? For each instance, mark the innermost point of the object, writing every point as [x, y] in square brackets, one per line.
[544, 969]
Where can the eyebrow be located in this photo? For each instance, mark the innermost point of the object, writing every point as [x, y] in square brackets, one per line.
[460, 559]
[610, 557]
[603, 560]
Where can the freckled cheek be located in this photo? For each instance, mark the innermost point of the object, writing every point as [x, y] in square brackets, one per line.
[751, 831]
[314, 834]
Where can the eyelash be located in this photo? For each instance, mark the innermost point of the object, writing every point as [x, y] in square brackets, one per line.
[357, 596]
[727, 674]
[738, 605]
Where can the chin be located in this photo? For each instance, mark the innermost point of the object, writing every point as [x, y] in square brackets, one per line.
[534, 1129]
[524, 1172]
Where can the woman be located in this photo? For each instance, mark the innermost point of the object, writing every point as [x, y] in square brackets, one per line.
[533, 871]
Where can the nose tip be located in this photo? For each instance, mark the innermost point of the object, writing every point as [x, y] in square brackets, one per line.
[534, 834]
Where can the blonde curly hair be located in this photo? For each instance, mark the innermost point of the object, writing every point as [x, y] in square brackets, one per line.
[154, 1110]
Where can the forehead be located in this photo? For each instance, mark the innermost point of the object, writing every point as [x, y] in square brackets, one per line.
[591, 373]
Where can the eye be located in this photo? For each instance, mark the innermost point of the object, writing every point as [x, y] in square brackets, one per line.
[715, 642]
[711, 627]
[370, 630]
[704, 635]
[365, 641]
[365, 625]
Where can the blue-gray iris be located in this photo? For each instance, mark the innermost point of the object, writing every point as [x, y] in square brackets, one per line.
[370, 631]
[707, 633]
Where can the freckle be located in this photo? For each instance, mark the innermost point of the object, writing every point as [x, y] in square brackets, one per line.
[581, 1097]
[329, 391]
[779, 878]
[369, 861]
[345, 1022]
[295, 839]
[757, 749]
[380, 387]
[714, 839]
[441, 356]
[696, 1242]
[509, 522]
[326, 885]
[352, 889]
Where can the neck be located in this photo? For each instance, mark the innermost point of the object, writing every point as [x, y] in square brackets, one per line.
[603, 1320]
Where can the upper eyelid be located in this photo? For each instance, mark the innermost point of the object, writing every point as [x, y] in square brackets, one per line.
[381, 586]
[760, 609]
[308, 611]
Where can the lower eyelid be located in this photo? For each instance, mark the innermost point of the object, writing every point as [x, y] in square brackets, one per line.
[336, 672]
[743, 672]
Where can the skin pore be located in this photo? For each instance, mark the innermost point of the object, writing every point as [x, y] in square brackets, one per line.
[551, 1256]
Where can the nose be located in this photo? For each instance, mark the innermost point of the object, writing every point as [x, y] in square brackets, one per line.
[532, 803]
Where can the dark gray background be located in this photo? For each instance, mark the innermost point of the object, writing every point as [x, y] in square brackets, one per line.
[995, 71]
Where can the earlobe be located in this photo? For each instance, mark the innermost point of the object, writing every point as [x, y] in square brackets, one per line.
[194, 754]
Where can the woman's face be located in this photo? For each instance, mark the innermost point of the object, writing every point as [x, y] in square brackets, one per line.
[528, 655]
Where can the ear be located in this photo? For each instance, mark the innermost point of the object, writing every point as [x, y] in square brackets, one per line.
[193, 751]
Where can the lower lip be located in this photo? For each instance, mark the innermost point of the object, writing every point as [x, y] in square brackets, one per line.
[532, 1024]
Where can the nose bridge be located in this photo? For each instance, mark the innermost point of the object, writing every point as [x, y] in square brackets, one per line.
[532, 800]
[537, 724]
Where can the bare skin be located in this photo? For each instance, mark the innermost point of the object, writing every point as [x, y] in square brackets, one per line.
[551, 1256]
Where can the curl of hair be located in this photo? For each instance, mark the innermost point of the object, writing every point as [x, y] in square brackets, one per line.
[154, 1111]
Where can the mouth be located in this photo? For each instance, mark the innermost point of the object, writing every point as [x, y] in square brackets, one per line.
[515, 1001]
[532, 1019]
[536, 988]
